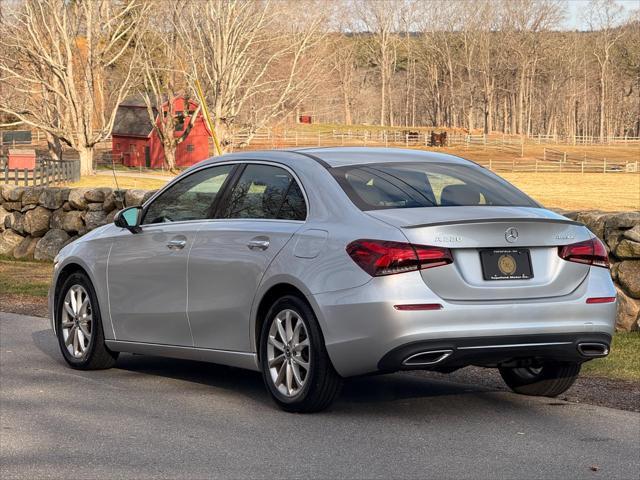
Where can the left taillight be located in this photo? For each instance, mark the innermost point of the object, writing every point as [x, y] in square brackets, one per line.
[379, 257]
[590, 252]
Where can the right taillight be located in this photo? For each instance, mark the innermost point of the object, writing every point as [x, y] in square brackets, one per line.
[379, 257]
[589, 252]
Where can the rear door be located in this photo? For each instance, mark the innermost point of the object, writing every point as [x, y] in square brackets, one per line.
[230, 254]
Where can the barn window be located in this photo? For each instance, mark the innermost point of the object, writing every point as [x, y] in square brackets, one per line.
[190, 148]
[179, 120]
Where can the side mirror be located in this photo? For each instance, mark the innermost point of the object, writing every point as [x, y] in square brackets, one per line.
[129, 218]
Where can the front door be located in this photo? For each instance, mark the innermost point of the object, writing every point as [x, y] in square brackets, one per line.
[147, 271]
[231, 254]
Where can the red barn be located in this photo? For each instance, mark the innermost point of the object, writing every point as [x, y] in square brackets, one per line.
[135, 141]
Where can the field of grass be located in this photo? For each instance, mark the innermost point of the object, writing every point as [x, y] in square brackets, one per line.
[124, 181]
[571, 191]
[25, 278]
[623, 362]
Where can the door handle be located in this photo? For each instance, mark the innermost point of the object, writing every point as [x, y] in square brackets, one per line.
[176, 244]
[260, 243]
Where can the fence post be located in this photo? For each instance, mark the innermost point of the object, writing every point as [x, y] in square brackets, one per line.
[26, 177]
[15, 176]
[490, 166]
[582, 167]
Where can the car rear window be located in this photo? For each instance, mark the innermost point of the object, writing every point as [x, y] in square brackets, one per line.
[425, 184]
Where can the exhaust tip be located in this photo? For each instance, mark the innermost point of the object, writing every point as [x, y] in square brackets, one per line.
[431, 357]
[593, 349]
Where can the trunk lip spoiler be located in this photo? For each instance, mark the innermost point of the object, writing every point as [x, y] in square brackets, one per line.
[497, 220]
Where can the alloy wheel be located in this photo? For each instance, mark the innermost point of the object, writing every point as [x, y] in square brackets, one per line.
[77, 321]
[288, 352]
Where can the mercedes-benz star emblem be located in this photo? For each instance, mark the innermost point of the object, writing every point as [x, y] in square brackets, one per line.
[511, 234]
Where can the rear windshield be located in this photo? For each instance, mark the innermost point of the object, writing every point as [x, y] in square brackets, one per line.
[424, 184]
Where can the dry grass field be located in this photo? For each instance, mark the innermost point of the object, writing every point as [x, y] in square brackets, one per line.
[124, 181]
[575, 191]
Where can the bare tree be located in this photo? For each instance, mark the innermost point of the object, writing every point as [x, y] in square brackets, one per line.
[380, 20]
[69, 65]
[164, 87]
[605, 17]
[343, 58]
[253, 59]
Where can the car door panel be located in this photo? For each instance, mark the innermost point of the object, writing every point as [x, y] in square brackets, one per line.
[147, 284]
[224, 274]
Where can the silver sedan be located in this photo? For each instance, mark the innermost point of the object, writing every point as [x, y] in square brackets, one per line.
[312, 265]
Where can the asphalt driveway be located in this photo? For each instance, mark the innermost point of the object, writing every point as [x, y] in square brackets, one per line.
[153, 417]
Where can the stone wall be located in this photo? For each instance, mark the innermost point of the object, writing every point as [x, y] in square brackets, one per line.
[36, 222]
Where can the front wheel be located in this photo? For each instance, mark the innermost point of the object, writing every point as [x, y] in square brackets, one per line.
[79, 326]
[545, 381]
[295, 365]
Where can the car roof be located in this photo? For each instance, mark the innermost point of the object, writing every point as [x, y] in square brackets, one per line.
[341, 156]
[346, 156]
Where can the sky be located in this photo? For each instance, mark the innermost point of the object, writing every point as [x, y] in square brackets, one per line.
[576, 8]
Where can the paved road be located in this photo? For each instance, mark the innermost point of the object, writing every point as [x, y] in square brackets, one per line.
[154, 417]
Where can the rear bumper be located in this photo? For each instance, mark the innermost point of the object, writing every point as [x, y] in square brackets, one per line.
[514, 350]
[363, 330]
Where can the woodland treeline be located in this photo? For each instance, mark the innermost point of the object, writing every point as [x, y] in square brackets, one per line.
[506, 66]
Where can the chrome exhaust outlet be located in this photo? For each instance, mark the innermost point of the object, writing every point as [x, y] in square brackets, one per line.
[593, 349]
[431, 357]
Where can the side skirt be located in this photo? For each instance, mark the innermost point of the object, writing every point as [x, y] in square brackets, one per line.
[244, 360]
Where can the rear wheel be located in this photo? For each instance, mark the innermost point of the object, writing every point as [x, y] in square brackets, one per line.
[79, 326]
[295, 365]
[545, 381]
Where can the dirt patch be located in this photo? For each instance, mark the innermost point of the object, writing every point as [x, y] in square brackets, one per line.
[23, 304]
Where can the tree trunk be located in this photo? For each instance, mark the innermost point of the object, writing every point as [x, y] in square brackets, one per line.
[54, 146]
[347, 107]
[602, 103]
[383, 100]
[86, 160]
[170, 157]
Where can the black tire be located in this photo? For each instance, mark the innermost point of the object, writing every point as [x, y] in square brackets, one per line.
[96, 356]
[546, 381]
[322, 383]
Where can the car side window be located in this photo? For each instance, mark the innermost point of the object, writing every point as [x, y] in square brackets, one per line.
[266, 192]
[191, 198]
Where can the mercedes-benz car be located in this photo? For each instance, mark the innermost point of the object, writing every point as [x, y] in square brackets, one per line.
[313, 265]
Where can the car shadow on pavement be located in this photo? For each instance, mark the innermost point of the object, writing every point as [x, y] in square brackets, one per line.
[373, 389]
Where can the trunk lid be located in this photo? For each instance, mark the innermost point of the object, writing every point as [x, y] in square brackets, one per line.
[469, 230]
